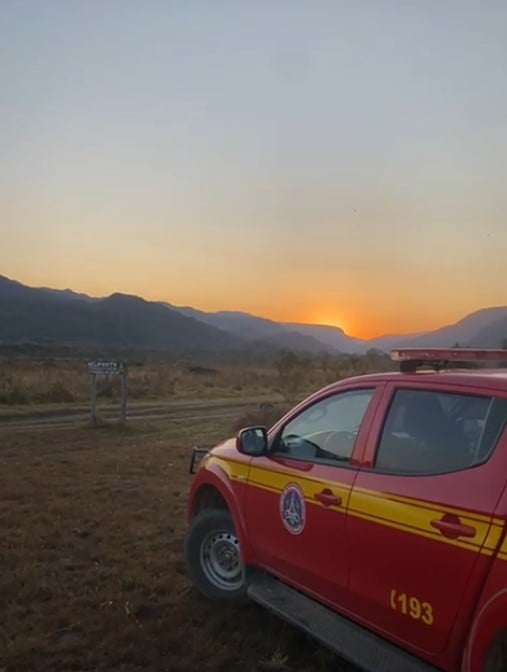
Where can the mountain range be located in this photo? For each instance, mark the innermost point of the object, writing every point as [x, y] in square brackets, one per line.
[63, 317]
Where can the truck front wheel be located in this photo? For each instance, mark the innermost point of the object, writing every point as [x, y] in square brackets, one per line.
[496, 658]
[213, 559]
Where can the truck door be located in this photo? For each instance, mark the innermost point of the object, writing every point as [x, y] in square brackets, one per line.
[297, 496]
[420, 530]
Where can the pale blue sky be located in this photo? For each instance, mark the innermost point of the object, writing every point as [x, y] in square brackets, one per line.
[337, 161]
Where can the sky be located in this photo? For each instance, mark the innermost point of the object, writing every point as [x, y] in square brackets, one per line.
[304, 160]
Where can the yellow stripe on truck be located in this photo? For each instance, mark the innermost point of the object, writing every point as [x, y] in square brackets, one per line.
[406, 514]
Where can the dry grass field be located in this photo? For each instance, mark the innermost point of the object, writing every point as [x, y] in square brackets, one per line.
[92, 524]
[287, 376]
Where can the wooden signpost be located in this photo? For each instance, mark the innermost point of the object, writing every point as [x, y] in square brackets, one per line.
[108, 368]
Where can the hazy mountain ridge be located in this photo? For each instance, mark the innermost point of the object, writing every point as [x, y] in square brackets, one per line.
[486, 327]
[44, 315]
[258, 331]
[334, 337]
[473, 329]
[69, 294]
[120, 320]
[493, 335]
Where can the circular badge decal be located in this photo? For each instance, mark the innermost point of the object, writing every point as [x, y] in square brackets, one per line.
[292, 508]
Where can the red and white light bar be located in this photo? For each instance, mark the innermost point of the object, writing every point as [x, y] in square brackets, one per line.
[412, 358]
[447, 354]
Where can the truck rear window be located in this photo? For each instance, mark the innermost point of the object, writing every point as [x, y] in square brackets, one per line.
[430, 432]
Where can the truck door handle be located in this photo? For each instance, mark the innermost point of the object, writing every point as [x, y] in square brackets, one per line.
[451, 527]
[327, 498]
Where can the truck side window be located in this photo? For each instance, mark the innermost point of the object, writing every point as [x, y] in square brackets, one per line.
[427, 432]
[327, 430]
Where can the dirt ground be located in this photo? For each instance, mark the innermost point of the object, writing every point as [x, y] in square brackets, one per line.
[93, 578]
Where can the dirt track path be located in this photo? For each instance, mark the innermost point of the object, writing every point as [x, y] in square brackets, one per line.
[173, 411]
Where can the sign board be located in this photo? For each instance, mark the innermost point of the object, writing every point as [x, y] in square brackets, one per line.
[105, 367]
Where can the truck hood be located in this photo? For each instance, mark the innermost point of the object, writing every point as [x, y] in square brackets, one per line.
[227, 450]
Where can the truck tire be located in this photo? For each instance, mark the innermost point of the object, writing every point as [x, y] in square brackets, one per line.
[212, 557]
[496, 658]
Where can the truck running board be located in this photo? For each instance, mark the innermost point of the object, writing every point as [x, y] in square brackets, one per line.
[349, 640]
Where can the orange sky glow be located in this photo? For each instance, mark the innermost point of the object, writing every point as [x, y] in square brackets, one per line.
[306, 162]
[359, 316]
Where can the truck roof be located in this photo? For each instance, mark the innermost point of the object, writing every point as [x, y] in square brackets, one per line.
[493, 379]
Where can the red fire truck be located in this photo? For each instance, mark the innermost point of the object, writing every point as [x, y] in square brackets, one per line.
[372, 515]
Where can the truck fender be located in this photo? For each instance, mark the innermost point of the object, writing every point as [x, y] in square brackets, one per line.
[214, 475]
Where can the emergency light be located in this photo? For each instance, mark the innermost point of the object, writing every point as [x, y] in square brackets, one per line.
[412, 358]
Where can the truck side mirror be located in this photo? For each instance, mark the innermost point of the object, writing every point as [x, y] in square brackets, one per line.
[252, 441]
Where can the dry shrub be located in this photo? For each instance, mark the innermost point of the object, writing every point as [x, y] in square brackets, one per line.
[13, 395]
[59, 393]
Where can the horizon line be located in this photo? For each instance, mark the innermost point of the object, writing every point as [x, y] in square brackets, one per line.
[244, 312]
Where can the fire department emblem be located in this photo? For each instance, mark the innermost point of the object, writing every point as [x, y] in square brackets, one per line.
[292, 508]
